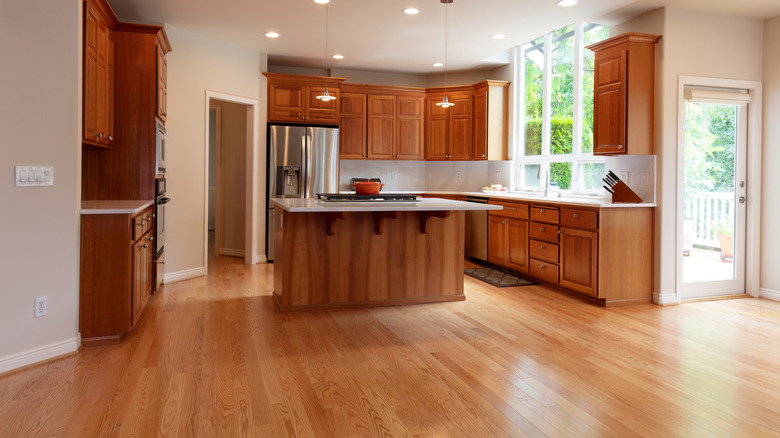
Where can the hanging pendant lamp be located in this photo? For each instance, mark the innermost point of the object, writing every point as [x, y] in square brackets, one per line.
[326, 97]
[445, 103]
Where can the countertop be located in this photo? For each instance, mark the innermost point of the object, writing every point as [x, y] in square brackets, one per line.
[299, 205]
[582, 200]
[124, 206]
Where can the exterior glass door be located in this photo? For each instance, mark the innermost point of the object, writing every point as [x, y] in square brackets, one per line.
[714, 198]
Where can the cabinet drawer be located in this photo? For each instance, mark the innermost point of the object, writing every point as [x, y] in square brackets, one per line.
[515, 210]
[545, 232]
[545, 214]
[544, 251]
[582, 219]
[142, 222]
[545, 271]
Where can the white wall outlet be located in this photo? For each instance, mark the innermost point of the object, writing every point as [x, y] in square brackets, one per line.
[458, 175]
[644, 178]
[394, 175]
[498, 174]
[26, 176]
[40, 306]
[623, 175]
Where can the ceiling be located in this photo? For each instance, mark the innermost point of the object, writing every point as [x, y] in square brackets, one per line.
[377, 36]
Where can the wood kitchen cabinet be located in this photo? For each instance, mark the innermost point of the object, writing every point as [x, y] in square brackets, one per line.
[579, 250]
[508, 236]
[99, 74]
[116, 279]
[624, 94]
[162, 84]
[293, 99]
[381, 123]
[449, 131]
[128, 171]
[491, 122]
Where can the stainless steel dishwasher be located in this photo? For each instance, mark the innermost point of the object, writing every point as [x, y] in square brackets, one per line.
[477, 230]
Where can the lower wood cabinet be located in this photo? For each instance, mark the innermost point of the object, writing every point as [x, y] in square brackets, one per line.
[117, 273]
[605, 253]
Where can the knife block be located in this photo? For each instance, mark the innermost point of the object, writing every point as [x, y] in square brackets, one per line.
[623, 193]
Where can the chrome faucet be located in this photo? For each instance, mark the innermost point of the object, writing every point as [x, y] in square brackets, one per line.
[548, 185]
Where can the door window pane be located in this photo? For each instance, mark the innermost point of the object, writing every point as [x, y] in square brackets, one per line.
[534, 71]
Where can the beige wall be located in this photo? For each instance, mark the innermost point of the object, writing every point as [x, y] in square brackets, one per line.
[770, 198]
[40, 125]
[693, 44]
[231, 188]
[198, 64]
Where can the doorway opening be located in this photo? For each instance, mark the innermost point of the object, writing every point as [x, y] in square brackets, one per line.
[713, 213]
[231, 133]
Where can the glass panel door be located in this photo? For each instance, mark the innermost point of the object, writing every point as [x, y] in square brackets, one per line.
[714, 199]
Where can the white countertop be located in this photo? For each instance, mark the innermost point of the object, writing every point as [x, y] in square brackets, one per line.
[583, 200]
[125, 206]
[300, 205]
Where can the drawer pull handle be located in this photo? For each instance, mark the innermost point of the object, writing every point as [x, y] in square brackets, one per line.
[542, 247]
[541, 211]
[576, 215]
[542, 266]
[541, 229]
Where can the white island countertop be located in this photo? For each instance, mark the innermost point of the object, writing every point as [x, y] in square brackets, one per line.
[124, 206]
[310, 205]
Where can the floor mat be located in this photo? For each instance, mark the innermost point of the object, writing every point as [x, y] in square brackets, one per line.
[496, 277]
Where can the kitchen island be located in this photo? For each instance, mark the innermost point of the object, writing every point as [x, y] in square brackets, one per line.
[368, 253]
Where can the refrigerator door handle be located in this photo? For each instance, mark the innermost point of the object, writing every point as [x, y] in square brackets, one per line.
[306, 163]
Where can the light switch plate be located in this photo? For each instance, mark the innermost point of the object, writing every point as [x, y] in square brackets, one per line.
[29, 176]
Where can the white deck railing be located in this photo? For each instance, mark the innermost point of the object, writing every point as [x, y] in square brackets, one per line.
[707, 209]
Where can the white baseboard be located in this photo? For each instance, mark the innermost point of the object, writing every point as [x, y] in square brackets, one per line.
[39, 354]
[259, 259]
[664, 299]
[769, 294]
[184, 275]
[231, 252]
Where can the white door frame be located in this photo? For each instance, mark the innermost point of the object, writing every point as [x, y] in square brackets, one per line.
[753, 222]
[250, 231]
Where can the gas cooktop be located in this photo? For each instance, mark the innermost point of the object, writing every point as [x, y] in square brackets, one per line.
[340, 197]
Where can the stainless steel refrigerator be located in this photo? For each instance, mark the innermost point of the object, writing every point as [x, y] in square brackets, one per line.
[302, 161]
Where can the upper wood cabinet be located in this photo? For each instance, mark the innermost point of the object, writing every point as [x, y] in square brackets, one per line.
[293, 99]
[624, 95]
[98, 92]
[449, 130]
[491, 120]
[392, 122]
[162, 84]
[352, 124]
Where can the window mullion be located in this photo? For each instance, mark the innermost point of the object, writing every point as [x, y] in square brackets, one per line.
[546, 94]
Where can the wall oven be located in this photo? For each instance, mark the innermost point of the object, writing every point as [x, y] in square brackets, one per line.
[160, 202]
[160, 139]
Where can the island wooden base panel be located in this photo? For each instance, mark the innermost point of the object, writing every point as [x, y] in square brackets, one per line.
[417, 257]
[213, 357]
[373, 303]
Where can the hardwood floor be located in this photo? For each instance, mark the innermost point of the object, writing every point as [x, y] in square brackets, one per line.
[212, 357]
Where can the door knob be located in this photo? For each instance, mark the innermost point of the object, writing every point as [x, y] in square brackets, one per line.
[742, 199]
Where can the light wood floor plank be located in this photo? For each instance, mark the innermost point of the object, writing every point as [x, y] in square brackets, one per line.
[213, 357]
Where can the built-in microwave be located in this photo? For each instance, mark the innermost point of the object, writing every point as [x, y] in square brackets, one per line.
[161, 144]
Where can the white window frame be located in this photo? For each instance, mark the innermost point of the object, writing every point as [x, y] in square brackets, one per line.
[577, 157]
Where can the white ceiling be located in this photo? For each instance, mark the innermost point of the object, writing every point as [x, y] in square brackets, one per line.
[375, 35]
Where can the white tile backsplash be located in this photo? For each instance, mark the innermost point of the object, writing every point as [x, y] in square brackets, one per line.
[640, 170]
[410, 175]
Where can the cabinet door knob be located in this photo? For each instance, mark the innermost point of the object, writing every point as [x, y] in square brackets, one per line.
[541, 229]
[145, 245]
[151, 238]
[576, 215]
[100, 135]
[110, 138]
[483, 155]
[620, 146]
[542, 247]
[542, 266]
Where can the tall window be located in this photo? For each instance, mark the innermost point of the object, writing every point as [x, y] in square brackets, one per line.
[556, 77]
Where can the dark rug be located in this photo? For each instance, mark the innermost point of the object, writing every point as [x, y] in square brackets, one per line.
[496, 277]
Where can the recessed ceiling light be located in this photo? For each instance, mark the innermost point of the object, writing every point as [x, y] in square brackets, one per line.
[411, 11]
[322, 2]
[337, 56]
[498, 36]
[567, 2]
[438, 64]
[272, 35]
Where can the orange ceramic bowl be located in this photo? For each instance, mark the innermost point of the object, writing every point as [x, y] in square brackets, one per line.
[367, 188]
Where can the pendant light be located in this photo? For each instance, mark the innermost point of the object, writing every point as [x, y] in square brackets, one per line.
[326, 97]
[445, 103]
